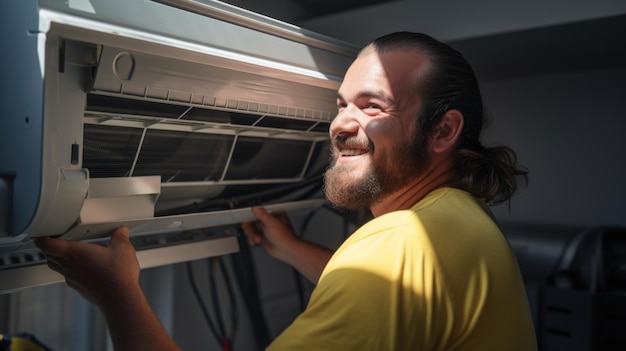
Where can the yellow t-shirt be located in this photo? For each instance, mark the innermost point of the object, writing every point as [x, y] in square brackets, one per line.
[439, 276]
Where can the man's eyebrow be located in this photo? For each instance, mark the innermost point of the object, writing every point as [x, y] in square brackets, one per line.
[377, 94]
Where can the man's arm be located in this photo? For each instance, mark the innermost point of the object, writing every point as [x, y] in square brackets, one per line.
[109, 278]
[276, 235]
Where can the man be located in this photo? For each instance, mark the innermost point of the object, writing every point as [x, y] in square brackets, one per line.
[431, 271]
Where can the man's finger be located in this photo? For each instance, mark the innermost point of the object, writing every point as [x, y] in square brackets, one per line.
[260, 213]
[264, 216]
[251, 233]
[120, 236]
[55, 267]
[52, 247]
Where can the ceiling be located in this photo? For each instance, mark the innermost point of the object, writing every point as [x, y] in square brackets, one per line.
[500, 39]
[586, 45]
[296, 11]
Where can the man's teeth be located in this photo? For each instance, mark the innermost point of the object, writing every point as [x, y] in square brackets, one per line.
[352, 152]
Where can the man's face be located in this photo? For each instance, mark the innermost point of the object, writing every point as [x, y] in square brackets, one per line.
[377, 148]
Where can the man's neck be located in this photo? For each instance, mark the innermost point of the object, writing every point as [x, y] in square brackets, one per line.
[436, 175]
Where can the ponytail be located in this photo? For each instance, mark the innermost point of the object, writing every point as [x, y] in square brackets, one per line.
[489, 173]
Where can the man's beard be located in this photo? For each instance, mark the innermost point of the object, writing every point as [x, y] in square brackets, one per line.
[351, 190]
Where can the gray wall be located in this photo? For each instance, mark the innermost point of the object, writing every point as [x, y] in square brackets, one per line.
[568, 130]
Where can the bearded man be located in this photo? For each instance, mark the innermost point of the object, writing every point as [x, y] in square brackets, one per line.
[431, 271]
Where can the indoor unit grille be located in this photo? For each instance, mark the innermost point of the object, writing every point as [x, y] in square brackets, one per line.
[185, 143]
[208, 158]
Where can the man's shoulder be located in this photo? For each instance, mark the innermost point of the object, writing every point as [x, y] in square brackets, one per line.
[442, 203]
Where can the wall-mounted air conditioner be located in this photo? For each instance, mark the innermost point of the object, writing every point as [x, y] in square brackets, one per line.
[170, 117]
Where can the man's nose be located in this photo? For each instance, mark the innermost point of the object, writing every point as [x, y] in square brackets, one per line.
[346, 122]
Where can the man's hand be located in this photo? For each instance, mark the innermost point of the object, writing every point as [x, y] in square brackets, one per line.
[109, 278]
[100, 274]
[273, 231]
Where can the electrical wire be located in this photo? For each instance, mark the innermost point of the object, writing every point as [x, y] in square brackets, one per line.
[213, 264]
[296, 274]
[251, 199]
[203, 306]
[217, 327]
[215, 300]
[246, 279]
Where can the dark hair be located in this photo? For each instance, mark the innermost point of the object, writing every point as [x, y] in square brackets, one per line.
[449, 83]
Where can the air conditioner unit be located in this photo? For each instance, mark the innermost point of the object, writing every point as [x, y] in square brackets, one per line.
[171, 117]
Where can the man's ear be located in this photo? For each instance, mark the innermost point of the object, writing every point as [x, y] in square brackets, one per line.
[447, 132]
